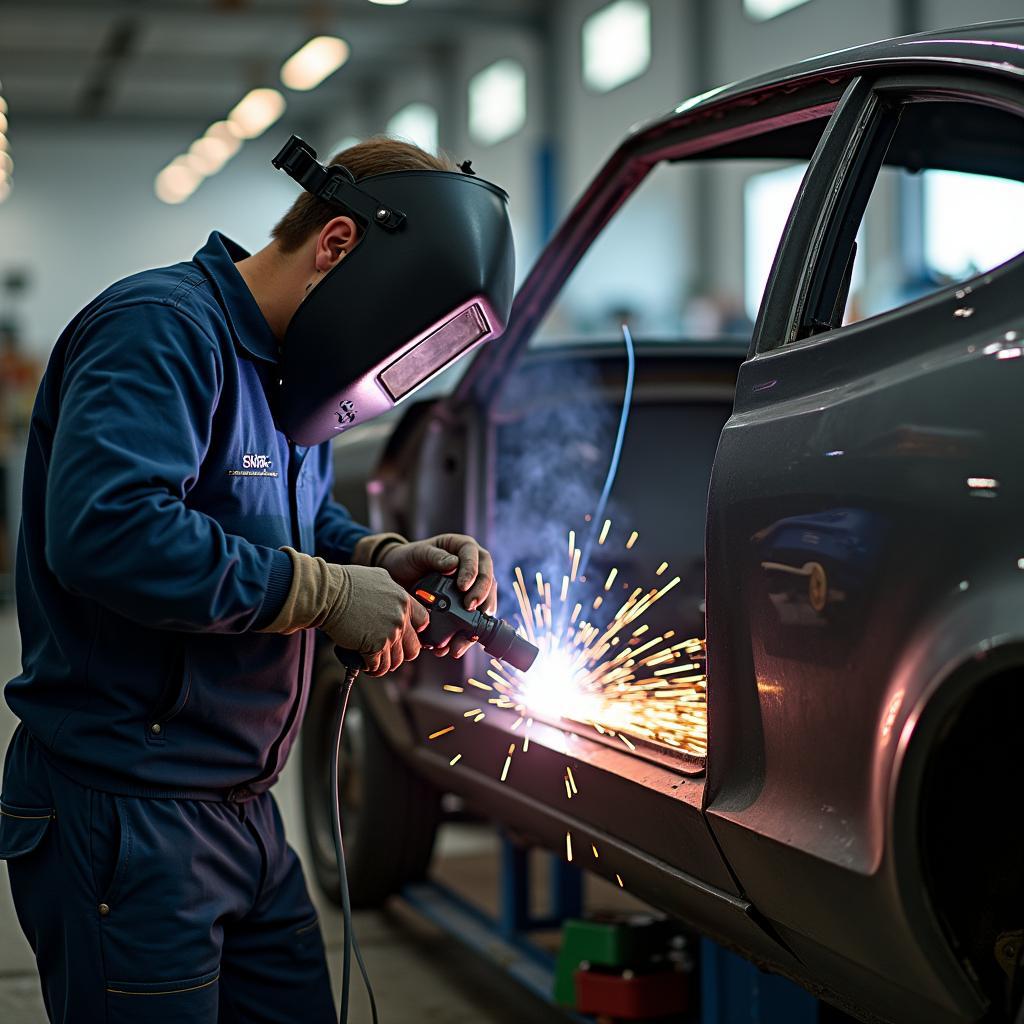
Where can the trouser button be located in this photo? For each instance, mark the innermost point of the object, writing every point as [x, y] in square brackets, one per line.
[104, 909]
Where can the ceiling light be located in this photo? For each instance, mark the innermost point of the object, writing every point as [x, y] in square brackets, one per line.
[3, 105]
[310, 65]
[222, 134]
[209, 154]
[224, 130]
[256, 112]
[3, 142]
[177, 181]
[3, 122]
[5, 189]
[497, 101]
[6, 164]
[389, 3]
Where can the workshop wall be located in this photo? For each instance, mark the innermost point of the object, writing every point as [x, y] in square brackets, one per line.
[947, 13]
[659, 233]
[86, 215]
[515, 163]
[742, 47]
[696, 45]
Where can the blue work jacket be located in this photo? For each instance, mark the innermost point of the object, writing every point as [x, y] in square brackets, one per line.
[157, 495]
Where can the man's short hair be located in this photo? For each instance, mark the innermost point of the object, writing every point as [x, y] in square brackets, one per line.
[376, 155]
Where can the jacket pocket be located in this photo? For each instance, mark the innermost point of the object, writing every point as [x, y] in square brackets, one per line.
[22, 828]
[175, 698]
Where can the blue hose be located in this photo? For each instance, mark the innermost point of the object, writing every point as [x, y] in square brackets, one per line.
[613, 466]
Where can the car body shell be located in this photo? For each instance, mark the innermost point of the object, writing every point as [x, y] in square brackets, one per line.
[859, 588]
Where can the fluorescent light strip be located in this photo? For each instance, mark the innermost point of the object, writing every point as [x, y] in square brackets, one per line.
[256, 112]
[6, 163]
[249, 118]
[311, 64]
[177, 181]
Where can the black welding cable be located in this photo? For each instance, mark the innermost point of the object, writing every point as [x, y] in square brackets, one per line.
[350, 943]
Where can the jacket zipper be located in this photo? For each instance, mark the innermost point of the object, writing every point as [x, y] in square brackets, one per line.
[272, 766]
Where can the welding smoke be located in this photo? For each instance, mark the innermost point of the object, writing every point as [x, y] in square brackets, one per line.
[555, 426]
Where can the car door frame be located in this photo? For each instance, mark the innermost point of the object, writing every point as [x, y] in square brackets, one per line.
[465, 414]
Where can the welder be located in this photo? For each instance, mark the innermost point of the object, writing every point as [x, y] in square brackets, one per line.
[179, 543]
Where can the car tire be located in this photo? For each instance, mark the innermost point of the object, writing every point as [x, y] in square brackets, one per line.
[389, 814]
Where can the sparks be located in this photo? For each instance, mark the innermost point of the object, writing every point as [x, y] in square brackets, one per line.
[601, 666]
[606, 671]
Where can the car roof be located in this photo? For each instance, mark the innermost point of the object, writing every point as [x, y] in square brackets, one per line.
[992, 46]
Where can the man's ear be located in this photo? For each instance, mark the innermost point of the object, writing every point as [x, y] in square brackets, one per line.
[337, 238]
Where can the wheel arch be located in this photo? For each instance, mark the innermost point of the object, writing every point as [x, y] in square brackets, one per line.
[962, 669]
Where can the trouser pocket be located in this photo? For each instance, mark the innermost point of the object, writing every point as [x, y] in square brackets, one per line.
[185, 1001]
[22, 828]
[110, 845]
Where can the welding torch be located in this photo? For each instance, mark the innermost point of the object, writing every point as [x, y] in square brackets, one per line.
[449, 618]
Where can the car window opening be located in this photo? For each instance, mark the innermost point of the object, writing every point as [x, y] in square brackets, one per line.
[945, 206]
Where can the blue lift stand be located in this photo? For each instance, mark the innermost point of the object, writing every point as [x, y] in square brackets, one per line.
[505, 940]
[732, 990]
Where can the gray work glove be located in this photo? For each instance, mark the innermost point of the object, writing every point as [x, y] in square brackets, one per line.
[409, 561]
[360, 608]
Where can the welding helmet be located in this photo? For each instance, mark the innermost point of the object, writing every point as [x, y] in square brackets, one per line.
[430, 279]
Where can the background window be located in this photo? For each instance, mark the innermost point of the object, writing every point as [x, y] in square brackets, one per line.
[762, 10]
[497, 101]
[972, 222]
[616, 44]
[767, 199]
[416, 123]
[947, 205]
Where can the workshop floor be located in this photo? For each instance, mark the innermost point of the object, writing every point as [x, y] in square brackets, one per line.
[418, 974]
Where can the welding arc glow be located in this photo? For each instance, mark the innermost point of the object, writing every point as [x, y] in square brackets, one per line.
[613, 465]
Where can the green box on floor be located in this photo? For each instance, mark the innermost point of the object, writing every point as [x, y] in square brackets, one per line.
[607, 943]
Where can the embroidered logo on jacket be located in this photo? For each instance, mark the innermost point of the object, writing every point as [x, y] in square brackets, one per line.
[255, 465]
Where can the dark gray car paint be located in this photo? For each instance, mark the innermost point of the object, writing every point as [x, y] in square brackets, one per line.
[863, 439]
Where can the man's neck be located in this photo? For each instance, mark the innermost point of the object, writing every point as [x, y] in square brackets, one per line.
[276, 283]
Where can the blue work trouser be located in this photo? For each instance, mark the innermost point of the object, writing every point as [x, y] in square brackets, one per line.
[158, 910]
